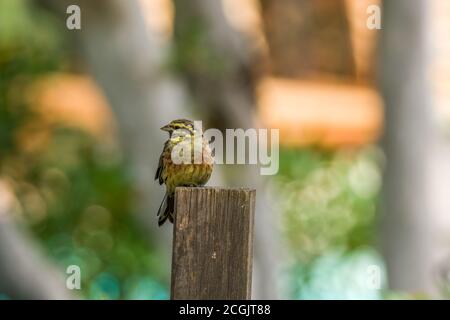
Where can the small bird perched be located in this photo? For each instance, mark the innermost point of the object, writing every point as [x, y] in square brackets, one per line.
[182, 136]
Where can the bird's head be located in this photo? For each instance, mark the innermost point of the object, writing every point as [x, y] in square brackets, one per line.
[179, 124]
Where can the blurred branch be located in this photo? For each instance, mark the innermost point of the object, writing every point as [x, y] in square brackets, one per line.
[24, 271]
[215, 59]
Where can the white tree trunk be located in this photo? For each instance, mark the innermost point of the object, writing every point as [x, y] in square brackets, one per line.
[417, 177]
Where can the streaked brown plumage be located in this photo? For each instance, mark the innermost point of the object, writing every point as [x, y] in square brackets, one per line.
[182, 133]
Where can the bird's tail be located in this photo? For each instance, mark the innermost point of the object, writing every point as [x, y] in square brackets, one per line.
[166, 209]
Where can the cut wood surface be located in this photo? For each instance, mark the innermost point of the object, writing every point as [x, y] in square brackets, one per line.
[213, 243]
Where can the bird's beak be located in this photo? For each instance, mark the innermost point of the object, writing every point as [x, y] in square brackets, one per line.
[166, 128]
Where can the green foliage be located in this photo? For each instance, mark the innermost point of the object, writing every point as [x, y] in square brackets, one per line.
[328, 199]
[73, 190]
[329, 203]
[28, 47]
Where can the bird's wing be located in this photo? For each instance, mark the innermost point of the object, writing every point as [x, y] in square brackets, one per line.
[158, 175]
[160, 170]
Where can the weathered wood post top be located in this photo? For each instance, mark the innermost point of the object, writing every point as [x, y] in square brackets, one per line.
[213, 243]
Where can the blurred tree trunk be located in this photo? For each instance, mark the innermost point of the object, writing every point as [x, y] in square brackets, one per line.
[217, 62]
[413, 239]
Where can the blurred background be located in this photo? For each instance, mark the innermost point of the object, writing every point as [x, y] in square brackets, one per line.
[360, 208]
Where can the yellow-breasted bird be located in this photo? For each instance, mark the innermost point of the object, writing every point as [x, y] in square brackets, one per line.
[182, 136]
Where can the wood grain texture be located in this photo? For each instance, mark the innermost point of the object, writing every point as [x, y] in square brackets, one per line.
[213, 243]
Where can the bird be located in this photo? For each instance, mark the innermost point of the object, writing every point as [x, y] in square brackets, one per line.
[182, 136]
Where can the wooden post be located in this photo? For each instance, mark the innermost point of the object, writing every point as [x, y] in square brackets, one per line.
[212, 243]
